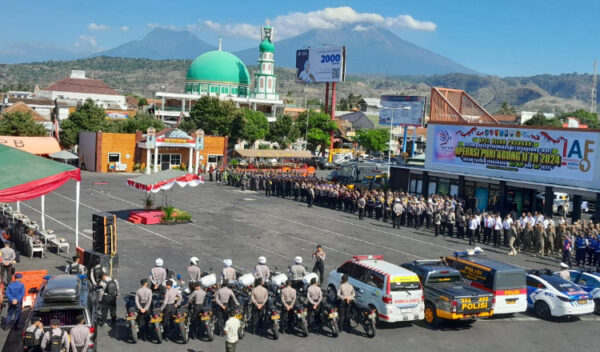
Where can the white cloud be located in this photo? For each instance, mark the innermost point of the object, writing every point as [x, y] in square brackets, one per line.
[156, 25]
[361, 28]
[91, 41]
[152, 25]
[124, 28]
[97, 27]
[296, 23]
[408, 21]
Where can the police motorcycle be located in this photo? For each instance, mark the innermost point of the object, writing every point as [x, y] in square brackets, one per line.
[180, 319]
[206, 320]
[132, 316]
[329, 314]
[366, 317]
[301, 306]
[242, 292]
[274, 286]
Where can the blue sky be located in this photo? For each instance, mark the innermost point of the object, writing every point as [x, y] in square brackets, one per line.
[502, 37]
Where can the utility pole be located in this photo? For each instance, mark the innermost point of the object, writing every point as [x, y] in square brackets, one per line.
[594, 84]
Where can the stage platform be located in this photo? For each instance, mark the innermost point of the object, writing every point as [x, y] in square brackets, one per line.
[146, 217]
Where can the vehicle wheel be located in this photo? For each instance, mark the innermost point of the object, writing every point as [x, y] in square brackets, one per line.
[241, 332]
[370, 329]
[210, 332]
[159, 332]
[134, 332]
[542, 310]
[184, 330]
[430, 315]
[597, 306]
[304, 328]
[335, 331]
[331, 293]
[276, 331]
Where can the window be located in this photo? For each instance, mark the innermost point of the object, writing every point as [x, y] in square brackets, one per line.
[65, 316]
[262, 83]
[270, 83]
[375, 279]
[346, 268]
[175, 159]
[531, 282]
[360, 273]
[212, 158]
[114, 157]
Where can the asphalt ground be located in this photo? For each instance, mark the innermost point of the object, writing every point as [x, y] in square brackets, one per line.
[229, 223]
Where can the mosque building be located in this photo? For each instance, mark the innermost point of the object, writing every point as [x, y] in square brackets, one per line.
[221, 74]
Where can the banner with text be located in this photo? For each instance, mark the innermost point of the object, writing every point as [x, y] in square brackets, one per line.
[316, 65]
[402, 110]
[562, 157]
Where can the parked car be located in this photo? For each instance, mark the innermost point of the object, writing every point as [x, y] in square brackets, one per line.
[324, 164]
[558, 204]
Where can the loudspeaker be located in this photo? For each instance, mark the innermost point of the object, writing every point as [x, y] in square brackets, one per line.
[110, 263]
[104, 227]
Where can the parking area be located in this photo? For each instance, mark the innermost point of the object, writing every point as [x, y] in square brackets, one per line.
[243, 225]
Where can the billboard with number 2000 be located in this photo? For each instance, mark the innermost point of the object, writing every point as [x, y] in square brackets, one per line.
[317, 65]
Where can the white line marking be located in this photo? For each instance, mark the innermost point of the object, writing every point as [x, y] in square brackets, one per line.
[58, 221]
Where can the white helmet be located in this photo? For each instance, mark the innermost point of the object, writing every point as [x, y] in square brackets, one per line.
[262, 260]
[194, 260]
[298, 260]
[227, 262]
[159, 262]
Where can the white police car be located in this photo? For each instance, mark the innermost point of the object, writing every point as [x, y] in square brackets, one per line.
[394, 292]
[549, 295]
[589, 281]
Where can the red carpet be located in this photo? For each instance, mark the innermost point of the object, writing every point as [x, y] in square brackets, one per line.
[146, 217]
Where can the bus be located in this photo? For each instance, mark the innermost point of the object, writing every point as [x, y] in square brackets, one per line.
[505, 281]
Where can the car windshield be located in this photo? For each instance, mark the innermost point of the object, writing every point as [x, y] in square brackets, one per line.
[508, 281]
[561, 285]
[443, 278]
[65, 316]
[404, 286]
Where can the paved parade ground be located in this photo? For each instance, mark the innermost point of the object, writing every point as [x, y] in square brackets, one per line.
[229, 223]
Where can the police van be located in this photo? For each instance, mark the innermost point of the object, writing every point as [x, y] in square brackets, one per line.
[396, 293]
[507, 282]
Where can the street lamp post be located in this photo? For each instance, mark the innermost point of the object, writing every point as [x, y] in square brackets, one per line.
[391, 128]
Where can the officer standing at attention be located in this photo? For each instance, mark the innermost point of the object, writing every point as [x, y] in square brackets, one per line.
[56, 337]
[196, 304]
[319, 257]
[298, 272]
[223, 298]
[80, 336]
[361, 203]
[15, 291]
[75, 268]
[288, 299]
[33, 335]
[171, 301]
[314, 295]
[262, 270]
[8, 258]
[258, 297]
[228, 271]
[346, 295]
[158, 274]
[143, 303]
[108, 294]
[194, 271]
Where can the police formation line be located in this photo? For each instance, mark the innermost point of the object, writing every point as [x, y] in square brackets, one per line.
[531, 233]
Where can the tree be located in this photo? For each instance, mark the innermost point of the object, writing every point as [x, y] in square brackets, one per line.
[540, 120]
[584, 117]
[87, 117]
[343, 105]
[507, 109]
[139, 122]
[255, 126]
[284, 131]
[214, 116]
[375, 140]
[320, 127]
[20, 123]
[142, 102]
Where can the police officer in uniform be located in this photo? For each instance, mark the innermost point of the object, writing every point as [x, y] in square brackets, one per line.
[228, 271]
[171, 301]
[158, 274]
[80, 336]
[361, 203]
[75, 268]
[319, 257]
[224, 298]
[288, 300]
[346, 295]
[96, 273]
[259, 298]
[33, 335]
[56, 339]
[262, 270]
[196, 303]
[298, 271]
[314, 296]
[108, 294]
[194, 271]
[143, 303]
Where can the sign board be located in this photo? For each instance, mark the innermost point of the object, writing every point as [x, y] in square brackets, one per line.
[402, 110]
[316, 65]
[151, 138]
[561, 157]
[199, 140]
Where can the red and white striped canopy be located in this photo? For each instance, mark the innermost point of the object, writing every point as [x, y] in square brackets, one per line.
[164, 180]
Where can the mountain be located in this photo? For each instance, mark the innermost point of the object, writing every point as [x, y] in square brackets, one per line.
[369, 50]
[33, 52]
[161, 44]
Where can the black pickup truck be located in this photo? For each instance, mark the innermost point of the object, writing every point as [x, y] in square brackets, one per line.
[446, 297]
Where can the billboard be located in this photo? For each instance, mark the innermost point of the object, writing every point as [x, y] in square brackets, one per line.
[402, 110]
[561, 157]
[316, 65]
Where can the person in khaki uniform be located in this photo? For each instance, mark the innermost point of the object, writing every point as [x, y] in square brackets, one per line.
[346, 296]
[527, 237]
[539, 235]
[259, 298]
[288, 300]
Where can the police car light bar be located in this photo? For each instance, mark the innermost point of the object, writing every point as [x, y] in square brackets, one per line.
[370, 257]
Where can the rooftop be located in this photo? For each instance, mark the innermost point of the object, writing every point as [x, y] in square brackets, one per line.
[81, 85]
